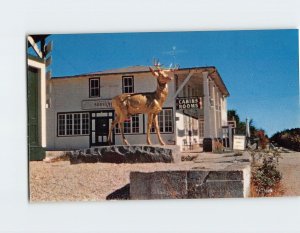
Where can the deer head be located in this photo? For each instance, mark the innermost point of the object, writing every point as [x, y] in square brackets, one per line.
[163, 75]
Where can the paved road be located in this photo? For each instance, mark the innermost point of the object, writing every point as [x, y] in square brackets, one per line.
[289, 165]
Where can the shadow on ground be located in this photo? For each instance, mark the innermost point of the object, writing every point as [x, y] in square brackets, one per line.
[120, 194]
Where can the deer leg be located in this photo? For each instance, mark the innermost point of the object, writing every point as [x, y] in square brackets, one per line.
[155, 117]
[149, 125]
[112, 126]
[121, 125]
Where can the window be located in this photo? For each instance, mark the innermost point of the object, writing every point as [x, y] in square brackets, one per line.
[165, 121]
[128, 84]
[127, 126]
[85, 123]
[168, 123]
[77, 123]
[131, 126]
[61, 124]
[95, 87]
[201, 128]
[70, 124]
[135, 124]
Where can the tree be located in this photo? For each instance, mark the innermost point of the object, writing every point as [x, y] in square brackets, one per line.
[241, 125]
[233, 116]
[289, 138]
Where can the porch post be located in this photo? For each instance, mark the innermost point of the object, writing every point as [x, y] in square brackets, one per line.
[214, 112]
[206, 106]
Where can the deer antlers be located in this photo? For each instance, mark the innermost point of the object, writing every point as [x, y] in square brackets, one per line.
[161, 72]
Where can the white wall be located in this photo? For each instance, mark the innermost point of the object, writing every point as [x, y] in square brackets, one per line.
[182, 129]
[67, 94]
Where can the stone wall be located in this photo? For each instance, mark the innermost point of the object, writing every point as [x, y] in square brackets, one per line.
[190, 184]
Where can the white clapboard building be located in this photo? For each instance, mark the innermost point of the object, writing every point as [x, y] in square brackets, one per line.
[79, 109]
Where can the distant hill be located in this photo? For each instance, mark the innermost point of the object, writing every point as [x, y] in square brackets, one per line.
[289, 138]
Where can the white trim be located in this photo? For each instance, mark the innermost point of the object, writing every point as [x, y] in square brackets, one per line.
[35, 46]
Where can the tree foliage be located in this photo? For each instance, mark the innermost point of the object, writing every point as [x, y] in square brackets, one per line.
[289, 138]
[232, 115]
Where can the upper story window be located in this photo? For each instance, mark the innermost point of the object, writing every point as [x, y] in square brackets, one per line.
[127, 84]
[94, 87]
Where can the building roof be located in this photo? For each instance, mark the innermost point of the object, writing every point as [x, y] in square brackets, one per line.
[213, 73]
[129, 69]
[37, 38]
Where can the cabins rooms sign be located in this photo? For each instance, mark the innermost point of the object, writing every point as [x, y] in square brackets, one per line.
[183, 103]
[96, 104]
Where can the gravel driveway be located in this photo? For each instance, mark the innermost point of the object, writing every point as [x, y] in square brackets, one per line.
[289, 166]
[60, 181]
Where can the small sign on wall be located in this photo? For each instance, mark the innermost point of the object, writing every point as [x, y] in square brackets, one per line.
[239, 142]
[96, 104]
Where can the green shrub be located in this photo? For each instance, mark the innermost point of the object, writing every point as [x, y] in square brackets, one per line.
[266, 176]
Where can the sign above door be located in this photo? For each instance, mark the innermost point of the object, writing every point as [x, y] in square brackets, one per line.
[96, 104]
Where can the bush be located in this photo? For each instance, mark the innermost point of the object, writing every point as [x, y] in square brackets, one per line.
[266, 176]
[218, 146]
[263, 140]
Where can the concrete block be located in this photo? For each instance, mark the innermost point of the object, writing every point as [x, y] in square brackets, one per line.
[217, 189]
[225, 175]
[158, 185]
[190, 184]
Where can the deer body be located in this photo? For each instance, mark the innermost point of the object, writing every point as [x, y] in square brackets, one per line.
[150, 103]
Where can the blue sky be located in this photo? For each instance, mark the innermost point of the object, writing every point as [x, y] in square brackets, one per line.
[259, 68]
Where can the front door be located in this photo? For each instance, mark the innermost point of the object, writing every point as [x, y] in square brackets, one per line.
[35, 150]
[101, 122]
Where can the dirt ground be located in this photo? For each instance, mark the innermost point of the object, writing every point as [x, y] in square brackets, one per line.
[289, 166]
[60, 181]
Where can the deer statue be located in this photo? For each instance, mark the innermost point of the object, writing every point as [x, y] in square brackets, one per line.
[150, 103]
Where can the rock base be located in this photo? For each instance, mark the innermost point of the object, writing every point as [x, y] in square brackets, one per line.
[125, 154]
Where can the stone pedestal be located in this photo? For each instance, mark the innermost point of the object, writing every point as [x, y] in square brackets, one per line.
[127, 154]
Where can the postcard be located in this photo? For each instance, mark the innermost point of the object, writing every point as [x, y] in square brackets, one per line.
[163, 115]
